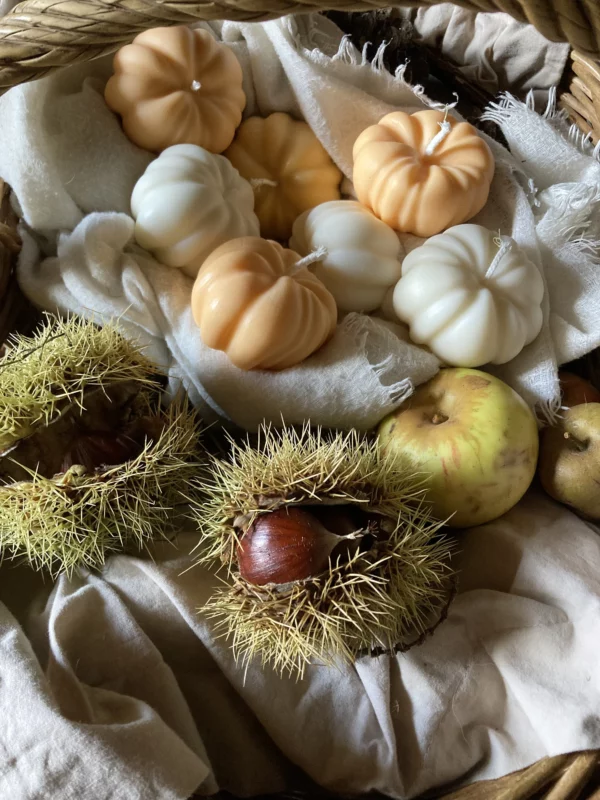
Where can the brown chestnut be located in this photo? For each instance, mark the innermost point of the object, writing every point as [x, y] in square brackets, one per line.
[286, 545]
[102, 449]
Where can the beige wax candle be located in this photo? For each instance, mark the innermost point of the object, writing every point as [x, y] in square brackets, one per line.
[259, 303]
[422, 173]
[288, 168]
[177, 86]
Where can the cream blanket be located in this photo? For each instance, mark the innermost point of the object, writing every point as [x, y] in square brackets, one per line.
[112, 688]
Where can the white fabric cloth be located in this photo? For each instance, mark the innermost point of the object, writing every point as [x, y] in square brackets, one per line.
[566, 177]
[369, 365]
[493, 50]
[115, 688]
[66, 157]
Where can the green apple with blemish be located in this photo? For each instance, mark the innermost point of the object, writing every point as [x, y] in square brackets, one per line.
[473, 436]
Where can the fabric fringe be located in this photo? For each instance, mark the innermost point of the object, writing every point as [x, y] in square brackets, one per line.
[362, 328]
[550, 410]
[348, 54]
[579, 206]
[501, 112]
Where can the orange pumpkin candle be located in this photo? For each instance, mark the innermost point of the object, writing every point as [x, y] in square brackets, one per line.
[422, 173]
[288, 168]
[256, 302]
[177, 86]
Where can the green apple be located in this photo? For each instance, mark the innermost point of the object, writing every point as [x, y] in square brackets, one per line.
[570, 459]
[474, 437]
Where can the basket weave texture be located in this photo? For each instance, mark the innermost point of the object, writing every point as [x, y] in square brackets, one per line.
[582, 102]
[39, 36]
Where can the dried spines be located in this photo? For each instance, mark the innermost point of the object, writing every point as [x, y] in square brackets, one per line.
[75, 376]
[78, 518]
[375, 599]
[42, 374]
[289, 466]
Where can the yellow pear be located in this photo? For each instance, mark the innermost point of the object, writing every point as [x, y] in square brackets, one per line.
[570, 459]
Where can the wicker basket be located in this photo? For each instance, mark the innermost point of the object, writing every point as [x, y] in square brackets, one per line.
[39, 36]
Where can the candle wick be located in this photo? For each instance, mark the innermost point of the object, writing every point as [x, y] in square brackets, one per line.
[196, 86]
[256, 183]
[317, 255]
[504, 246]
[445, 128]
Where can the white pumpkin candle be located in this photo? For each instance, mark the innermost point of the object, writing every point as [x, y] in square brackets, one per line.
[360, 254]
[471, 295]
[187, 203]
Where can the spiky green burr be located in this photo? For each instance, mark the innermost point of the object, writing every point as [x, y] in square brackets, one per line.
[74, 382]
[381, 597]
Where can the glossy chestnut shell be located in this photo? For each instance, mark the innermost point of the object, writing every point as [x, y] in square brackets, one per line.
[286, 545]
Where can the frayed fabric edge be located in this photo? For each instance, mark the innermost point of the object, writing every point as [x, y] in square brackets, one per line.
[578, 207]
[361, 327]
[501, 111]
[349, 54]
[549, 411]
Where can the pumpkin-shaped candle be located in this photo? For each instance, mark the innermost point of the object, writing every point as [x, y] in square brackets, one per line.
[256, 302]
[360, 253]
[288, 168]
[177, 86]
[422, 173]
[472, 296]
[187, 203]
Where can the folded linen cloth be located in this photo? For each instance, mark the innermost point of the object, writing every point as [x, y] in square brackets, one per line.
[369, 365]
[493, 50]
[113, 687]
[65, 156]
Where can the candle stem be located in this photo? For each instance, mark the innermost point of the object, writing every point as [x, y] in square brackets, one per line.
[317, 255]
[256, 183]
[445, 129]
[505, 245]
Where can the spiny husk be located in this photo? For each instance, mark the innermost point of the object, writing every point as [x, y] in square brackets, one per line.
[78, 518]
[43, 374]
[74, 376]
[378, 599]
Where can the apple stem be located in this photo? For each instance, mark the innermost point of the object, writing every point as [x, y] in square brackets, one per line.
[437, 418]
[576, 443]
